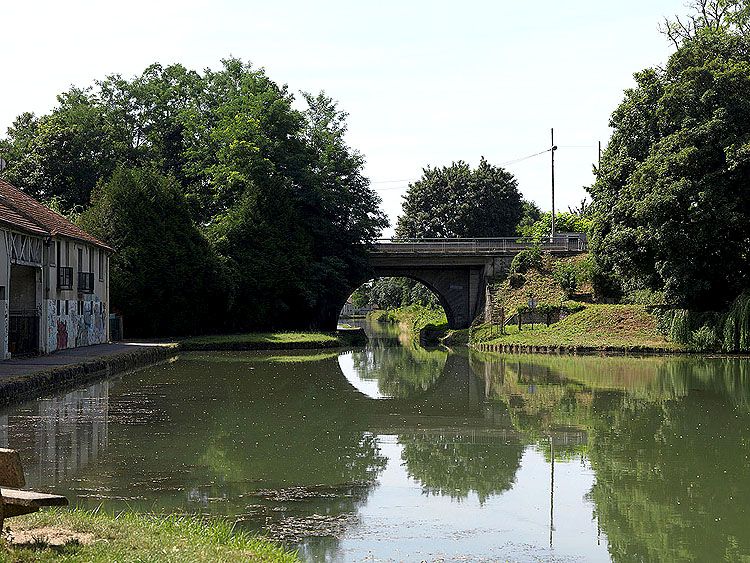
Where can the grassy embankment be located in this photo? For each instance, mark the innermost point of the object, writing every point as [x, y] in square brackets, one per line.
[626, 328]
[80, 535]
[264, 341]
[413, 319]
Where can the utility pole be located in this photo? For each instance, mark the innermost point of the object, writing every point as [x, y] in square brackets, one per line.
[552, 151]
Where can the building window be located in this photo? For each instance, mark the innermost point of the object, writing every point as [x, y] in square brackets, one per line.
[67, 307]
[67, 253]
[80, 259]
[101, 265]
[91, 260]
[58, 307]
[57, 253]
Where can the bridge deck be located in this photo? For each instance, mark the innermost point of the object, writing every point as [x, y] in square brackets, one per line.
[565, 243]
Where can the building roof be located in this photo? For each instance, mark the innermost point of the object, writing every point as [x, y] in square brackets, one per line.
[23, 212]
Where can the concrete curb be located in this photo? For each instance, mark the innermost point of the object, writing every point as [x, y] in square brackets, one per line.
[43, 382]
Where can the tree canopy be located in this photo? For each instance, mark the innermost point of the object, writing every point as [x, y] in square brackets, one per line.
[671, 202]
[276, 191]
[458, 201]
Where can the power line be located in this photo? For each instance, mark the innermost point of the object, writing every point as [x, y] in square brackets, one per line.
[514, 161]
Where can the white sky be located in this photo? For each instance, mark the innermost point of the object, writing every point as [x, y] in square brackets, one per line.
[424, 82]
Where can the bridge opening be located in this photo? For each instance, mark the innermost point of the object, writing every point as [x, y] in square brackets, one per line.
[389, 293]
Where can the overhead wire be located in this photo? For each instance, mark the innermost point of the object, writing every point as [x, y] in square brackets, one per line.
[514, 161]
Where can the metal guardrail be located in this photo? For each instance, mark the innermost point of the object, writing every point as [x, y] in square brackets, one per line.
[568, 242]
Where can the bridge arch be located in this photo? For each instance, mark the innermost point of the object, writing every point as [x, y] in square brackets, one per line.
[417, 277]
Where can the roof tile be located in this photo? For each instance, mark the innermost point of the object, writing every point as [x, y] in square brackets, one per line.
[22, 211]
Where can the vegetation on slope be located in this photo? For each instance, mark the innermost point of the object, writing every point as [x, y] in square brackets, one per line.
[628, 327]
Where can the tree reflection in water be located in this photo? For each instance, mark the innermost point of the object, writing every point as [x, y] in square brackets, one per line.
[667, 441]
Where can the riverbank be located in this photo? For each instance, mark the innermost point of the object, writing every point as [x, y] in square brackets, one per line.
[263, 341]
[421, 324]
[612, 329]
[28, 378]
[94, 536]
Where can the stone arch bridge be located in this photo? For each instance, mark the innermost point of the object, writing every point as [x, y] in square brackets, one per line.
[457, 270]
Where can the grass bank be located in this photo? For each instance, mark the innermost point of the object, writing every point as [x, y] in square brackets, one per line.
[413, 319]
[264, 341]
[79, 535]
[597, 328]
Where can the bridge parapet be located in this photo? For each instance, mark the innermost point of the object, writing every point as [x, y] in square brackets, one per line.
[560, 243]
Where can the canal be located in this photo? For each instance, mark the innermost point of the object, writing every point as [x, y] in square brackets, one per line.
[394, 452]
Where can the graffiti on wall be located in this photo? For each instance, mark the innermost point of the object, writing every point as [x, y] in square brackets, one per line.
[71, 329]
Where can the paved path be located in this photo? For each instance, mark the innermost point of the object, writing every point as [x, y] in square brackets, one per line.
[71, 356]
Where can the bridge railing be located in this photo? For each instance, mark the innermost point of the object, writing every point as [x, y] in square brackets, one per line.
[567, 242]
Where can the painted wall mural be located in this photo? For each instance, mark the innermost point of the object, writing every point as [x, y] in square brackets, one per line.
[71, 329]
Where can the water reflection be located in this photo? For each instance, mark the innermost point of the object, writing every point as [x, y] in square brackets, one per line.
[59, 436]
[463, 455]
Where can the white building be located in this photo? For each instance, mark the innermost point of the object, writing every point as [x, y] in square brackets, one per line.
[54, 280]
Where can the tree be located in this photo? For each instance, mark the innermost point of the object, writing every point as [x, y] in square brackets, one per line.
[276, 190]
[671, 203]
[456, 201]
[165, 277]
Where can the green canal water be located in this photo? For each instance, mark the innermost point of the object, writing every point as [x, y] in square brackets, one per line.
[393, 452]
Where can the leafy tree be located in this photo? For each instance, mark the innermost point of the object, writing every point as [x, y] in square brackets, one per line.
[165, 277]
[277, 191]
[565, 222]
[671, 207]
[456, 201]
[530, 215]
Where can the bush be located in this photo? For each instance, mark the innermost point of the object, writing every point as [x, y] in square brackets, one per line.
[570, 307]
[516, 280]
[566, 274]
[704, 339]
[736, 331]
[526, 260]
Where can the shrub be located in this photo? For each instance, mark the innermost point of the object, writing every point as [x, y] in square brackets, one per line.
[570, 307]
[566, 274]
[680, 328]
[526, 260]
[516, 280]
[704, 339]
[736, 331]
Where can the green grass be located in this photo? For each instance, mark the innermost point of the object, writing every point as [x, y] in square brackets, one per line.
[597, 326]
[131, 537]
[262, 341]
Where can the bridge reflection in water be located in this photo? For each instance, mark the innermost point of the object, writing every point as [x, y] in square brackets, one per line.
[272, 440]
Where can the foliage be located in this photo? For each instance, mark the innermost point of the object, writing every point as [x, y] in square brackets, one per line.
[391, 293]
[165, 277]
[456, 201]
[528, 259]
[276, 190]
[565, 222]
[566, 274]
[529, 216]
[704, 339]
[736, 333]
[133, 537]
[671, 209]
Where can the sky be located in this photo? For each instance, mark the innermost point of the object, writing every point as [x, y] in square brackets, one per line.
[424, 82]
